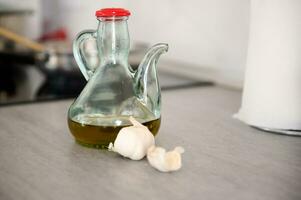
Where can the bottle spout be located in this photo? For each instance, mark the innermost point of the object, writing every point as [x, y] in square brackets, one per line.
[146, 76]
[153, 54]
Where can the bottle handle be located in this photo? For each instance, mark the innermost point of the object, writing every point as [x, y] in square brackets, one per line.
[78, 52]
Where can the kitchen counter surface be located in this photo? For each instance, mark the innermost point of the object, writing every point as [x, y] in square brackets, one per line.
[224, 158]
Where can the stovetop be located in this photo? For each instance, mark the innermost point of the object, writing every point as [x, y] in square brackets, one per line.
[59, 85]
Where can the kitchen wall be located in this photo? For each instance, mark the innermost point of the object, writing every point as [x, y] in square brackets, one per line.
[202, 34]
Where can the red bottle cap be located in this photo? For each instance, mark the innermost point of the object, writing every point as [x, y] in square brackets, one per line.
[112, 12]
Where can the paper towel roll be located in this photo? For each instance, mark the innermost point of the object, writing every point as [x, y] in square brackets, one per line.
[272, 90]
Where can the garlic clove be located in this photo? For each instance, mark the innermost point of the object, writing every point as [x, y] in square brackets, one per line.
[165, 161]
[136, 141]
[133, 141]
[179, 149]
[156, 158]
[173, 160]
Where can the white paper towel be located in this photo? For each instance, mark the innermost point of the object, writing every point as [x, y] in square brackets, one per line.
[272, 90]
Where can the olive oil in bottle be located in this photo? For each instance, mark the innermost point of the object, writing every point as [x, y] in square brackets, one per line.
[98, 131]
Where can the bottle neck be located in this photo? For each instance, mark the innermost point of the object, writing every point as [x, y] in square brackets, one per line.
[113, 40]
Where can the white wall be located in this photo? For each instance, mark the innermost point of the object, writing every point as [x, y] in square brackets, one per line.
[75, 15]
[203, 33]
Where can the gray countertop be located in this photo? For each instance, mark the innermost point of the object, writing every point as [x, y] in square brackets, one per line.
[224, 158]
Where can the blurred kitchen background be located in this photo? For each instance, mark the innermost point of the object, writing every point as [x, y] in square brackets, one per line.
[207, 39]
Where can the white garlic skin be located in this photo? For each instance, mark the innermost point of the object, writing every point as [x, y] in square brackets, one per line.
[133, 141]
[165, 161]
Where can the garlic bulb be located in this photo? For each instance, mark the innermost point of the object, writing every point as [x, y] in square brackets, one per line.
[165, 161]
[133, 141]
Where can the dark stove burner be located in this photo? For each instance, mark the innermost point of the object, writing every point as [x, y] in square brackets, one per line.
[61, 84]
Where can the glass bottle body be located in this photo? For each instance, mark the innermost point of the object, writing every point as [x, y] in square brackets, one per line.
[114, 91]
